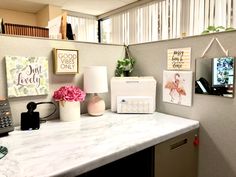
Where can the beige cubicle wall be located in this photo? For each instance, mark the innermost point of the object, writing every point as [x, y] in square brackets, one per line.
[217, 152]
[89, 54]
[217, 155]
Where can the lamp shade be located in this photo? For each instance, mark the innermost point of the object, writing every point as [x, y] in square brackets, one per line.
[95, 79]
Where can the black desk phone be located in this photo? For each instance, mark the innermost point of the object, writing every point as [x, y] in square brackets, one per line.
[6, 124]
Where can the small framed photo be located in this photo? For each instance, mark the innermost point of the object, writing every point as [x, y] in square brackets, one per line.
[66, 61]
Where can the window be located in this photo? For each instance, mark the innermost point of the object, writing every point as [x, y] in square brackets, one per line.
[168, 19]
[151, 22]
[106, 31]
[210, 13]
[84, 28]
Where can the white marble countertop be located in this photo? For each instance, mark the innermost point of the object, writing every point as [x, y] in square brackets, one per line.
[72, 148]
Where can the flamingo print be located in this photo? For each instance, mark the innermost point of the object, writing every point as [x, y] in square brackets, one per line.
[176, 86]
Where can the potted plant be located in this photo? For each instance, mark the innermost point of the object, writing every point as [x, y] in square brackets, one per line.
[125, 66]
[213, 29]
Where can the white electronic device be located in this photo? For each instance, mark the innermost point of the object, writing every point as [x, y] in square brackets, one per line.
[138, 94]
[134, 104]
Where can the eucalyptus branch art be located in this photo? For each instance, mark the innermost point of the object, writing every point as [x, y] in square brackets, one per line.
[26, 76]
[126, 65]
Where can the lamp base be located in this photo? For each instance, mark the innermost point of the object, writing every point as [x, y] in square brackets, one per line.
[96, 106]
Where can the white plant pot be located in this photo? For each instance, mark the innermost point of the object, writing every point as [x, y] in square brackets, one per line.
[69, 110]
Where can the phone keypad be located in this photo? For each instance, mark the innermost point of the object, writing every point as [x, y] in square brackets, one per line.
[5, 121]
[5, 116]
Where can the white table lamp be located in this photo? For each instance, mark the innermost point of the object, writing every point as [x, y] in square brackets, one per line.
[95, 81]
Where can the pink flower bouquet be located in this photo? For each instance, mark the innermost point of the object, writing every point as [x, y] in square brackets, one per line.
[69, 93]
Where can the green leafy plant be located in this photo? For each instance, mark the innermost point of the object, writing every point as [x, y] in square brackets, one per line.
[125, 66]
[213, 29]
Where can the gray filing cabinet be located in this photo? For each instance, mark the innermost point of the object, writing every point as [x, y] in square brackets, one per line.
[177, 157]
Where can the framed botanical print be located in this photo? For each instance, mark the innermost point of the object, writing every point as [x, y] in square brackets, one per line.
[66, 61]
[26, 76]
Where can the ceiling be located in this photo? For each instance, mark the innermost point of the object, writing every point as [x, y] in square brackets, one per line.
[92, 7]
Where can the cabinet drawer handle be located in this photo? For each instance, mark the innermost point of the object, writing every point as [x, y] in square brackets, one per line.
[178, 144]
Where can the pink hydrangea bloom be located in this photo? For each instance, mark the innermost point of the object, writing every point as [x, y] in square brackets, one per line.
[69, 93]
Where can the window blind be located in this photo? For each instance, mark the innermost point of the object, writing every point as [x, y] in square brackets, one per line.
[171, 19]
[84, 28]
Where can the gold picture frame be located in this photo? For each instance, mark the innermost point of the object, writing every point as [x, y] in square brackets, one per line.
[66, 61]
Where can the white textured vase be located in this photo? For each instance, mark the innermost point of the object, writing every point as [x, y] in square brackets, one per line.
[69, 110]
